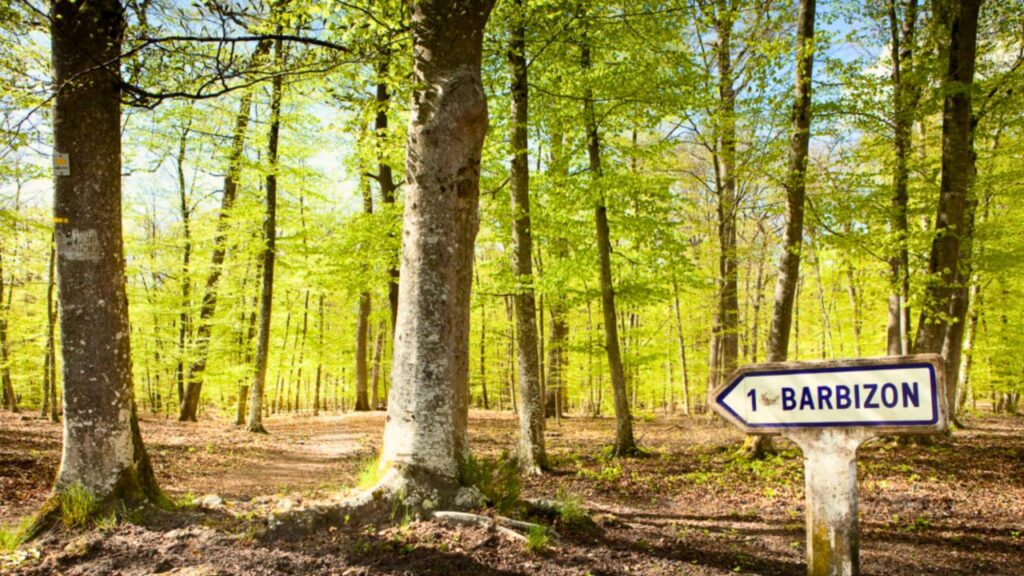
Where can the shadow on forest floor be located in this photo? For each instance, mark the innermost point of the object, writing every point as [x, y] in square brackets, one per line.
[952, 508]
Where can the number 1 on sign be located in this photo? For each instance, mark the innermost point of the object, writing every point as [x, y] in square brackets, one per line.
[753, 399]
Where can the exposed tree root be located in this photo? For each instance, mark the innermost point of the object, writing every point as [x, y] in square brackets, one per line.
[401, 493]
[497, 522]
[133, 489]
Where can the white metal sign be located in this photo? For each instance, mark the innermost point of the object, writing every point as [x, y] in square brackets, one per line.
[766, 399]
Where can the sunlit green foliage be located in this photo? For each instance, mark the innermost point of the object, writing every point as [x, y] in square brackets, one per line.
[654, 81]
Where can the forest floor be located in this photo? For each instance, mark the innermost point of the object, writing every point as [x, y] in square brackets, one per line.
[955, 507]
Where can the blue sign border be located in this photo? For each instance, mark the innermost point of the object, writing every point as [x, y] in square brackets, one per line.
[870, 424]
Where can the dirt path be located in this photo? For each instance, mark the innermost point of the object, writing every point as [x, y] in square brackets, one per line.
[307, 455]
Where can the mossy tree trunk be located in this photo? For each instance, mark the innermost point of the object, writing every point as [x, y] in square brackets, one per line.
[103, 450]
[531, 410]
[951, 221]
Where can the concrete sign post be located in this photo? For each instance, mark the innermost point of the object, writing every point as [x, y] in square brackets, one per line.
[829, 409]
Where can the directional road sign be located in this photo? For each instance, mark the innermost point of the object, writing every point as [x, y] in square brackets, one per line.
[898, 394]
[829, 409]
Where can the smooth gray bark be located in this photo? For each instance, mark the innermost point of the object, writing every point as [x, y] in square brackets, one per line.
[425, 438]
[189, 404]
[362, 345]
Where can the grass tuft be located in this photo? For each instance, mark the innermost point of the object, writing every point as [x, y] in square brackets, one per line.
[77, 505]
[13, 536]
[106, 522]
[497, 479]
[537, 539]
[570, 511]
[369, 474]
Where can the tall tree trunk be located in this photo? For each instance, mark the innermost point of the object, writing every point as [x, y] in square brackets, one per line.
[302, 351]
[208, 307]
[905, 97]
[103, 450]
[714, 352]
[826, 349]
[957, 174]
[558, 358]
[682, 348]
[531, 411]
[384, 174]
[378, 351]
[187, 410]
[510, 363]
[320, 360]
[255, 423]
[362, 329]
[796, 186]
[759, 283]
[280, 393]
[974, 302]
[10, 398]
[50, 362]
[851, 288]
[625, 444]
[483, 347]
[555, 389]
[425, 438]
[965, 292]
[728, 302]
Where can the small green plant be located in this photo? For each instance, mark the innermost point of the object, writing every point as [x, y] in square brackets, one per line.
[106, 522]
[537, 539]
[698, 477]
[606, 474]
[77, 505]
[498, 480]
[399, 506]
[920, 524]
[570, 511]
[369, 474]
[14, 536]
[186, 500]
